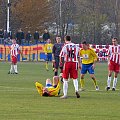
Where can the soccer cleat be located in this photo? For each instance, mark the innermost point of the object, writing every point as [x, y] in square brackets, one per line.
[113, 89]
[77, 95]
[97, 88]
[107, 88]
[16, 73]
[63, 97]
[9, 72]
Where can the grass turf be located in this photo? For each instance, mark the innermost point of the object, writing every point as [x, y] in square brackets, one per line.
[19, 99]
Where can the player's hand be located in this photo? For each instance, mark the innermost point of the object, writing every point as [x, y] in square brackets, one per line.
[79, 67]
[93, 66]
[60, 64]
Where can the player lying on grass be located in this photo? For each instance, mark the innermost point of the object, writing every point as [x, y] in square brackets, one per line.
[52, 88]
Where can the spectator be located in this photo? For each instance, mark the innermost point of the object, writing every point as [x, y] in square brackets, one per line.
[28, 37]
[36, 37]
[1, 35]
[20, 36]
[46, 35]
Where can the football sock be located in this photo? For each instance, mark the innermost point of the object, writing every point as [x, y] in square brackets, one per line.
[65, 87]
[114, 82]
[12, 69]
[46, 65]
[95, 82]
[15, 68]
[75, 82]
[82, 83]
[108, 81]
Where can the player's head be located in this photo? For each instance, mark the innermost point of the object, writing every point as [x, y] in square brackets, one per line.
[58, 39]
[114, 41]
[67, 38]
[13, 41]
[48, 41]
[85, 45]
[45, 92]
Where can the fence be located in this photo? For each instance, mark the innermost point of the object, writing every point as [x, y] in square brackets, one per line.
[36, 52]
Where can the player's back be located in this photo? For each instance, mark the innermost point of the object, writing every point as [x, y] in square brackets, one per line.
[70, 52]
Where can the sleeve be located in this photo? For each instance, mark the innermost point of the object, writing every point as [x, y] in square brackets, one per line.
[45, 48]
[53, 49]
[39, 88]
[94, 54]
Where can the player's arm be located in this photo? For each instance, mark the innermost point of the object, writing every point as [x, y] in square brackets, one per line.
[45, 49]
[95, 57]
[53, 53]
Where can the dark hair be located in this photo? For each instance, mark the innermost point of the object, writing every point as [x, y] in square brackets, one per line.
[115, 38]
[68, 38]
[45, 94]
[84, 42]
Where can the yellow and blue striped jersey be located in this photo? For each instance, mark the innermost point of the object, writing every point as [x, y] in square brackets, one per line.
[88, 56]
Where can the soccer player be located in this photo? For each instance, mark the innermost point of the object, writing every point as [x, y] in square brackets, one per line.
[55, 55]
[48, 52]
[113, 63]
[70, 52]
[51, 88]
[14, 51]
[89, 57]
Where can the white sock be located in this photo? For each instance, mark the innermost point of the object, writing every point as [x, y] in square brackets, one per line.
[108, 81]
[15, 68]
[114, 82]
[75, 82]
[65, 87]
[12, 69]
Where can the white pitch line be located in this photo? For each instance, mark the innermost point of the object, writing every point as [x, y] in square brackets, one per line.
[16, 88]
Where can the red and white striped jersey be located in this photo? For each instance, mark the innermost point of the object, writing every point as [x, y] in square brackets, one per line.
[14, 49]
[70, 52]
[114, 53]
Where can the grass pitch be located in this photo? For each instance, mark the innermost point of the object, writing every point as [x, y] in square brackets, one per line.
[19, 99]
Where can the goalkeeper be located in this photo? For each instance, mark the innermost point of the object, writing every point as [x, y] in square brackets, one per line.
[52, 88]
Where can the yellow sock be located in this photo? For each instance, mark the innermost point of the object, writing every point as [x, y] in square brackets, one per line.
[95, 82]
[82, 83]
[46, 66]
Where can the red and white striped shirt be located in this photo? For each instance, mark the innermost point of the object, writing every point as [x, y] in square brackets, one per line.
[14, 49]
[70, 52]
[114, 53]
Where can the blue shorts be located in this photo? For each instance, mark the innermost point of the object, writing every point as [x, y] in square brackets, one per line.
[87, 67]
[48, 85]
[49, 57]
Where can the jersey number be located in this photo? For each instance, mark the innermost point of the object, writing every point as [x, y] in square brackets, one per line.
[71, 54]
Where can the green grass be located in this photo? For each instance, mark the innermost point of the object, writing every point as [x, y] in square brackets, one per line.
[19, 99]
